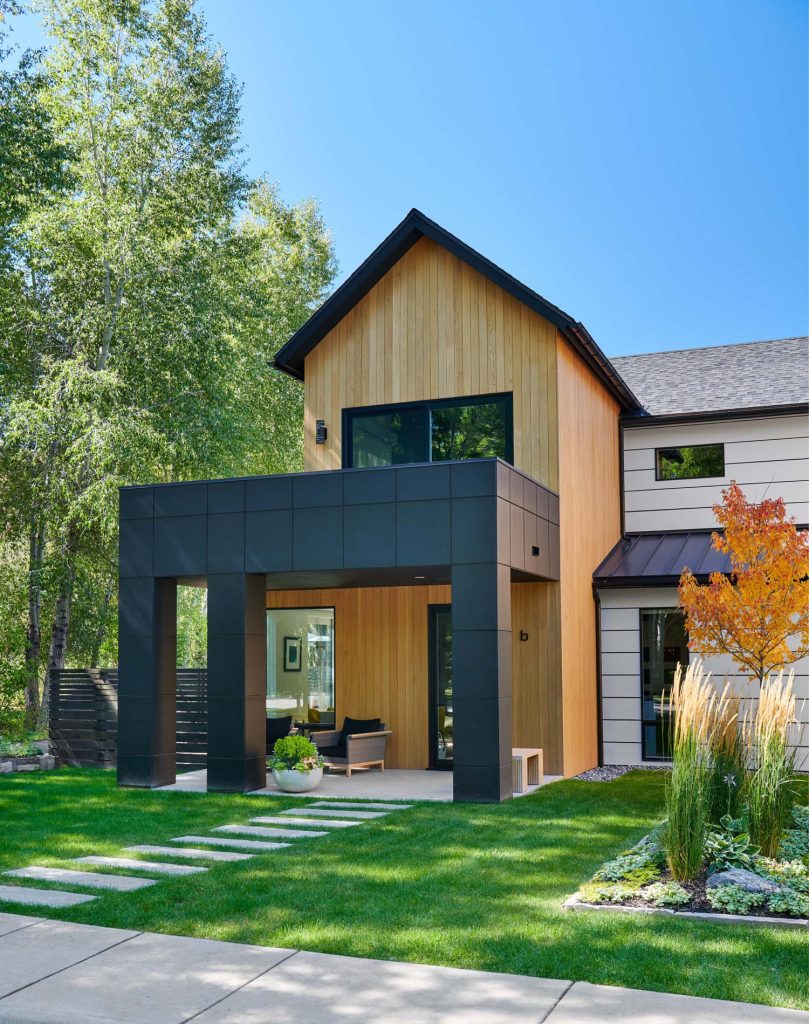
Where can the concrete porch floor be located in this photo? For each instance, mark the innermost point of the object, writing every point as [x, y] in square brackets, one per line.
[364, 784]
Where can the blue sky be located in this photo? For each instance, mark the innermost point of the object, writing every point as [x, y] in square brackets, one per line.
[643, 164]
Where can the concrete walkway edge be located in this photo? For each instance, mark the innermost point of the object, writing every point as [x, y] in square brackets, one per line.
[57, 972]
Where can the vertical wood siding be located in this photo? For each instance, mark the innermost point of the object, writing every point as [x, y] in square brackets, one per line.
[435, 328]
[589, 501]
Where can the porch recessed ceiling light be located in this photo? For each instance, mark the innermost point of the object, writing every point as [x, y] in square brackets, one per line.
[419, 577]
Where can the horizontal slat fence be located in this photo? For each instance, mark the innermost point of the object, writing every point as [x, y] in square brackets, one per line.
[83, 717]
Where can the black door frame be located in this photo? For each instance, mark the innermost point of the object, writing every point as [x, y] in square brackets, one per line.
[433, 610]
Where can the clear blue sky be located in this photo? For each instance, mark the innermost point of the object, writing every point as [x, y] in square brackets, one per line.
[640, 163]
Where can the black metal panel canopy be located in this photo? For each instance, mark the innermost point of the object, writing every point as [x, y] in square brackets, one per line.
[659, 558]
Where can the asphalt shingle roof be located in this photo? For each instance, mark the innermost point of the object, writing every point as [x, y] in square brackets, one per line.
[745, 376]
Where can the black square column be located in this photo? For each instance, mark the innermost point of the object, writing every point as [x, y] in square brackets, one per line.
[147, 681]
[237, 682]
[481, 671]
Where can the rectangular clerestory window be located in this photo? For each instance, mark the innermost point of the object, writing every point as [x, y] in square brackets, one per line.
[690, 462]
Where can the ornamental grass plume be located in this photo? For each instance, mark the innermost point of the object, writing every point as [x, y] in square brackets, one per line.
[727, 769]
[690, 706]
[770, 792]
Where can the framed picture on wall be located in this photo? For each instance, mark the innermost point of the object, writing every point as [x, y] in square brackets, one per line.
[292, 654]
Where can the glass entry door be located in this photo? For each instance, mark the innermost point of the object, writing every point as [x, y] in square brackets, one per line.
[441, 696]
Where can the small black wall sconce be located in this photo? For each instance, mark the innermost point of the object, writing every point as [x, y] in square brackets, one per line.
[523, 635]
[320, 432]
[535, 550]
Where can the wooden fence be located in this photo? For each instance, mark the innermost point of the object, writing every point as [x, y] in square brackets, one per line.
[83, 717]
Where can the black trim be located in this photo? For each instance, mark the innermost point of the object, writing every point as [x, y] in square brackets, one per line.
[426, 406]
[755, 412]
[660, 758]
[290, 358]
[622, 481]
[599, 690]
[679, 447]
[433, 611]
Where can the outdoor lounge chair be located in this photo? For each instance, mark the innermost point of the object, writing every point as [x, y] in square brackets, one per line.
[359, 744]
[276, 729]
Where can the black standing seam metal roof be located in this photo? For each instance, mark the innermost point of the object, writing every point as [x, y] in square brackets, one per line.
[646, 558]
[290, 358]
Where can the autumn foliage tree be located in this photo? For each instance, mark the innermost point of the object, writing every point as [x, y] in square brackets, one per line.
[759, 612]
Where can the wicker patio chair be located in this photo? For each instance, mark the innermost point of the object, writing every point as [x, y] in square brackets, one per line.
[361, 743]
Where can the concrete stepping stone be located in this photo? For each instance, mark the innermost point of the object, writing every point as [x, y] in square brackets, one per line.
[323, 813]
[188, 853]
[42, 897]
[14, 922]
[142, 865]
[241, 844]
[269, 833]
[90, 879]
[314, 822]
[345, 804]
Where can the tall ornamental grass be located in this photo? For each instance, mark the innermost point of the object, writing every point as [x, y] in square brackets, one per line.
[690, 711]
[727, 767]
[770, 792]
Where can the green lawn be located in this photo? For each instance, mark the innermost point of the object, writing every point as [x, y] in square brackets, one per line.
[461, 885]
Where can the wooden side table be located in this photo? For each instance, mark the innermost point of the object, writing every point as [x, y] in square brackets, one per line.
[526, 768]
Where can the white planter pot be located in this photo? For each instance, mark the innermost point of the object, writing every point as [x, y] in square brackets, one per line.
[291, 781]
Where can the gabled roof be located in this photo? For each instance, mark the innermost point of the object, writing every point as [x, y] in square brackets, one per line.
[753, 375]
[290, 359]
[647, 558]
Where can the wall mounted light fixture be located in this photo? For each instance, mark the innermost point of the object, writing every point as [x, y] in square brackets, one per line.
[321, 433]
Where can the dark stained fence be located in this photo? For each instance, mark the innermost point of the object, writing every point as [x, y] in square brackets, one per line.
[83, 717]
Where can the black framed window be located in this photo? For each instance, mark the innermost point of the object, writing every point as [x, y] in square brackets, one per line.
[664, 645]
[439, 431]
[690, 462]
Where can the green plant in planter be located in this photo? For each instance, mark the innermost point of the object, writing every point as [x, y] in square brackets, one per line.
[295, 753]
[729, 847]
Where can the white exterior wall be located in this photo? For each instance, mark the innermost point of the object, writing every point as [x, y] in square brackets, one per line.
[621, 680]
[767, 457]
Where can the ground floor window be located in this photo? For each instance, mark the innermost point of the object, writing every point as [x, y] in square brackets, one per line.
[664, 645]
[300, 664]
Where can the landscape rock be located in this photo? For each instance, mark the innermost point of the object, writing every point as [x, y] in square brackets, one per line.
[747, 880]
[46, 761]
[5, 766]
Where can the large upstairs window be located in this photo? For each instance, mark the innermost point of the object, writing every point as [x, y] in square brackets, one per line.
[438, 431]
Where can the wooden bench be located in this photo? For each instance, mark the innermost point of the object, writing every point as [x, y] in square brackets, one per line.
[526, 768]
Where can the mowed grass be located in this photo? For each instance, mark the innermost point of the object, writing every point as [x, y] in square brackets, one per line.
[462, 885]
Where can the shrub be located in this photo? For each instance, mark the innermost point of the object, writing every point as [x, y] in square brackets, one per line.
[733, 899]
[627, 864]
[296, 753]
[793, 903]
[792, 873]
[606, 892]
[800, 815]
[770, 795]
[18, 748]
[666, 894]
[689, 707]
[728, 847]
[794, 845]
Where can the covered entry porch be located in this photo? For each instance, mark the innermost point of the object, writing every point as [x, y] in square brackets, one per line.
[462, 532]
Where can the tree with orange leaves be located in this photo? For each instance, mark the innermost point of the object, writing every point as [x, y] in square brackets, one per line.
[759, 612]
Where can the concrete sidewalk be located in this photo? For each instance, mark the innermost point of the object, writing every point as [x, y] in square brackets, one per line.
[54, 972]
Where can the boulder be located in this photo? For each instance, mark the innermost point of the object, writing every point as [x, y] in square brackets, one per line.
[747, 880]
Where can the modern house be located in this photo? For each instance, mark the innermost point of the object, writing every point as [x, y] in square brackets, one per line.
[471, 459]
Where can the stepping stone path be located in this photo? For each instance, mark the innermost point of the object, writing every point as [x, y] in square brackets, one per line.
[313, 822]
[269, 833]
[241, 844]
[42, 897]
[155, 867]
[321, 812]
[324, 814]
[89, 879]
[187, 853]
[345, 805]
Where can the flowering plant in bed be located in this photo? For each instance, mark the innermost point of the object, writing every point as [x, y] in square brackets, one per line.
[296, 765]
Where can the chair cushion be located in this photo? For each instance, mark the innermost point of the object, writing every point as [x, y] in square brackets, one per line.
[359, 725]
[338, 750]
[276, 728]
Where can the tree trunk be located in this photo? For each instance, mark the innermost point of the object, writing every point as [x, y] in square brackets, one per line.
[33, 638]
[61, 626]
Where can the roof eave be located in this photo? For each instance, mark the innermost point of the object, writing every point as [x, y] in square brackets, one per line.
[290, 358]
[651, 419]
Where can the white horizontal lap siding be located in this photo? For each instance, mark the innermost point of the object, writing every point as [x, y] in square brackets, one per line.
[767, 457]
[620, 676]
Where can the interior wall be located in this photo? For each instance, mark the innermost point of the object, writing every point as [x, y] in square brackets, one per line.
[590, 511]
[433, 327]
